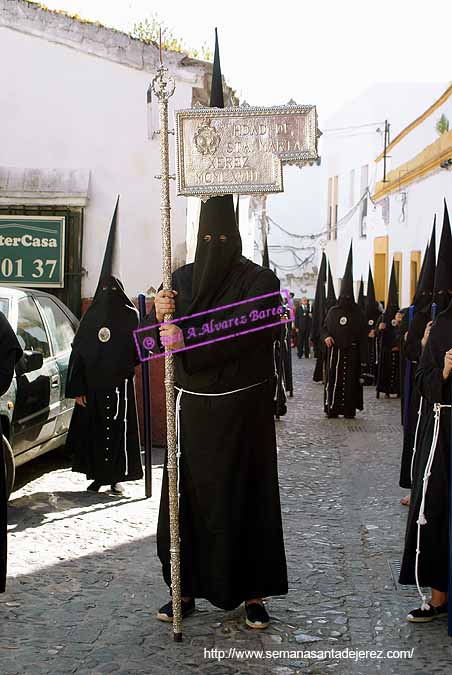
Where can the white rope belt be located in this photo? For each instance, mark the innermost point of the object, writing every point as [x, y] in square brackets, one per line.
[181, 391]
[419, 413]
[118, 398]
[337, 375]
[421, 517]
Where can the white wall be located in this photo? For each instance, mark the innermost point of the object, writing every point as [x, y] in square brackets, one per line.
[410, 227]
[62, 108]
[353, 138]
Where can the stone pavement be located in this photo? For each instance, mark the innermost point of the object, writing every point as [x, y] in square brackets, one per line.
[85, 579]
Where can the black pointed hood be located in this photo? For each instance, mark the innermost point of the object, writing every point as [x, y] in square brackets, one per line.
[392, 305]
[320, 309]
[421, 274]
[331, 298]
[219, 246]
[216, 90]
[104, 339]
[265, 256]
[443, 274]
[109, 265]
[423, 296]
[346, 295]
[361, 297]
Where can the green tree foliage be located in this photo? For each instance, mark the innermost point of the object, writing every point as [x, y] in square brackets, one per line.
[149, 31]
[442, 125]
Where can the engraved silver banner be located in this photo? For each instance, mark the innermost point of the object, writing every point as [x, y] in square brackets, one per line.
[242, 150]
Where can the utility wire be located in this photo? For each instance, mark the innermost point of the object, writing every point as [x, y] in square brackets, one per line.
[342, 221]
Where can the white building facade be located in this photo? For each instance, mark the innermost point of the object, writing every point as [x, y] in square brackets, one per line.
[77, 129]
[417, 182]
[355, 137]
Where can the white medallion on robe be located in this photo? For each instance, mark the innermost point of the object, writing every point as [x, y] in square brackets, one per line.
[104, 334]
[343, 320]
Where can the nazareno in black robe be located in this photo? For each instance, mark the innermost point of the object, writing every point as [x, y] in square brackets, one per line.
[10, 353]
[372, 314]
[345, 360]
[103, 436]
[232, 546]
[388, 369]
[411, 351]
[434, 534]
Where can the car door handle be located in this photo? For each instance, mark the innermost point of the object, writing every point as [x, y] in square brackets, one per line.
[55, 382]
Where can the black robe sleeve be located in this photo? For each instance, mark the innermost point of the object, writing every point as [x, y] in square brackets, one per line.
[7, 371]
[413, 346]
[363, 342]
[76, 380]
[221, 352]
[429, 377]
[10, 353]
[324, 332]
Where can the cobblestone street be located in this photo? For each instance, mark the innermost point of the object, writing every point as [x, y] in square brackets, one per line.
[85, 579]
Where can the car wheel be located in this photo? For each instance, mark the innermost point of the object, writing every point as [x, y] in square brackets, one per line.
[10, 466]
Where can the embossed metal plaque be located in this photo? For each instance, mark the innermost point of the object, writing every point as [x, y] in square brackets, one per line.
[242, 150]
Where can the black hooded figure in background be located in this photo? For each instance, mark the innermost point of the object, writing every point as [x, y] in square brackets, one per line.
[426, 556]
[372, 312]
[427, 551]
[442, 288]
[10, 353]
[388, 372]
[103, 435]
[283, 374]
[231, 536]
[345, 335]
[412, 347]
[318, 316]
[361, 302]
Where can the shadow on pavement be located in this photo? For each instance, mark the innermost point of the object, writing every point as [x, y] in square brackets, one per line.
[61, 459]
[34, 510]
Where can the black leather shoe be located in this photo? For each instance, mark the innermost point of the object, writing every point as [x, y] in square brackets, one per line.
[256, 615]
[425, 615]
[117, 489]
[94, 486]
[165, 613]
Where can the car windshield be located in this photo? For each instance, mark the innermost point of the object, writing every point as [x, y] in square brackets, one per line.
[4, 306]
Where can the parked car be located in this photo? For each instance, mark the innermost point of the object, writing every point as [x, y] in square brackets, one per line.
[34, 412]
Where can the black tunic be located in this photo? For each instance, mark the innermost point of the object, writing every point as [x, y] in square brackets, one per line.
[10, 353]
[344, 361]
[388, 371]
[434, 535]
[232, 545]
[103, 436]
